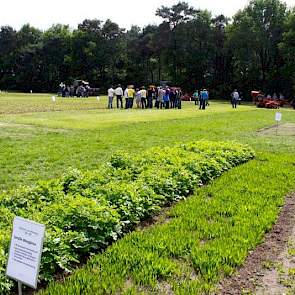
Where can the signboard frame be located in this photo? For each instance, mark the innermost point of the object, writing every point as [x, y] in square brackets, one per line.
[278, 117]
[20, 281]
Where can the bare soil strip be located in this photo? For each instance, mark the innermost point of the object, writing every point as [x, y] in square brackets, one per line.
[264, 269]
[279, 276]
[286, 129]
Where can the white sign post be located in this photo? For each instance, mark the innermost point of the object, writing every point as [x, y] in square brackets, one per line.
[25, 252]
[278, 118]
[53, 98]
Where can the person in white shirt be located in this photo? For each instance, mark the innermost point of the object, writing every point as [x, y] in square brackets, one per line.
[119, 94]
[235, 98]
[111, 93]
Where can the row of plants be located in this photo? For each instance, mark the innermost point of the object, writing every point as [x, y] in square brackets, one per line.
[197, 242]
[84, 212]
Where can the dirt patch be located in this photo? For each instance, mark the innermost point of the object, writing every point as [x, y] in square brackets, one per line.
[160, 218]
[165, 289]
[286, 129]
[261, 273]
[279, 276]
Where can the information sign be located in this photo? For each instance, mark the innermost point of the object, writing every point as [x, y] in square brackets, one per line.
[25, 251]
[278, 117]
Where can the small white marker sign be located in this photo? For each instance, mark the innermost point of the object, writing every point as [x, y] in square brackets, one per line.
[97, 97]
[278, 117]
[53, 98]
[25, 251]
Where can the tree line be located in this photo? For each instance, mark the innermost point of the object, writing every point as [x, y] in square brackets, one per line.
[190, 48]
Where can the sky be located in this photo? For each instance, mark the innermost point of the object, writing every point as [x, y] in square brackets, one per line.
[44, 13]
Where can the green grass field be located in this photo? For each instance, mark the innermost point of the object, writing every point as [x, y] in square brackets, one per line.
[41, 140]
[41, 143]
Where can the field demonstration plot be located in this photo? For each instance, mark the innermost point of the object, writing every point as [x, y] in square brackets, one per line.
[87, 205]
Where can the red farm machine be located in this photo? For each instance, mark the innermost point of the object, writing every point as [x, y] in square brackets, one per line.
[261, 101]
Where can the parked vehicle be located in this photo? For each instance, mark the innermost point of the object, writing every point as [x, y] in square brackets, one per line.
[79, 88]
[261, 101]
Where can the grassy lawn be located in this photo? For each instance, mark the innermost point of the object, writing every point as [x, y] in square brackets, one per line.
[19, 103]
[42, 144]
[39, 140]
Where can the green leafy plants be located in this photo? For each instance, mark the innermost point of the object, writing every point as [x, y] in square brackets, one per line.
[197, 242]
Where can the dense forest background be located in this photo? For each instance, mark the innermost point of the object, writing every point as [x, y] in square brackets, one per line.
[190, 48]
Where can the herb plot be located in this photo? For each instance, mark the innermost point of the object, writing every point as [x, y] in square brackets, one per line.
[84, 212]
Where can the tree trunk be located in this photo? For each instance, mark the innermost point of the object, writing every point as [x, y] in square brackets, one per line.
[263, 68]
[159, 68]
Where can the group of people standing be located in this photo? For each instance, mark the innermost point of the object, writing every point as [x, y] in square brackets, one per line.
[201, 98]
[72, 91]
[275, 96]
[158, 97]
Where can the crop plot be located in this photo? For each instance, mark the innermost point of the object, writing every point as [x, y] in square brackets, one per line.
[85, 212]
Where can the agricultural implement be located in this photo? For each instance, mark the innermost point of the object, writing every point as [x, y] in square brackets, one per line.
[261, 101]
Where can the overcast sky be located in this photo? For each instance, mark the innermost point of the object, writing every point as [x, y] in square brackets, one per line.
[44, 13]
